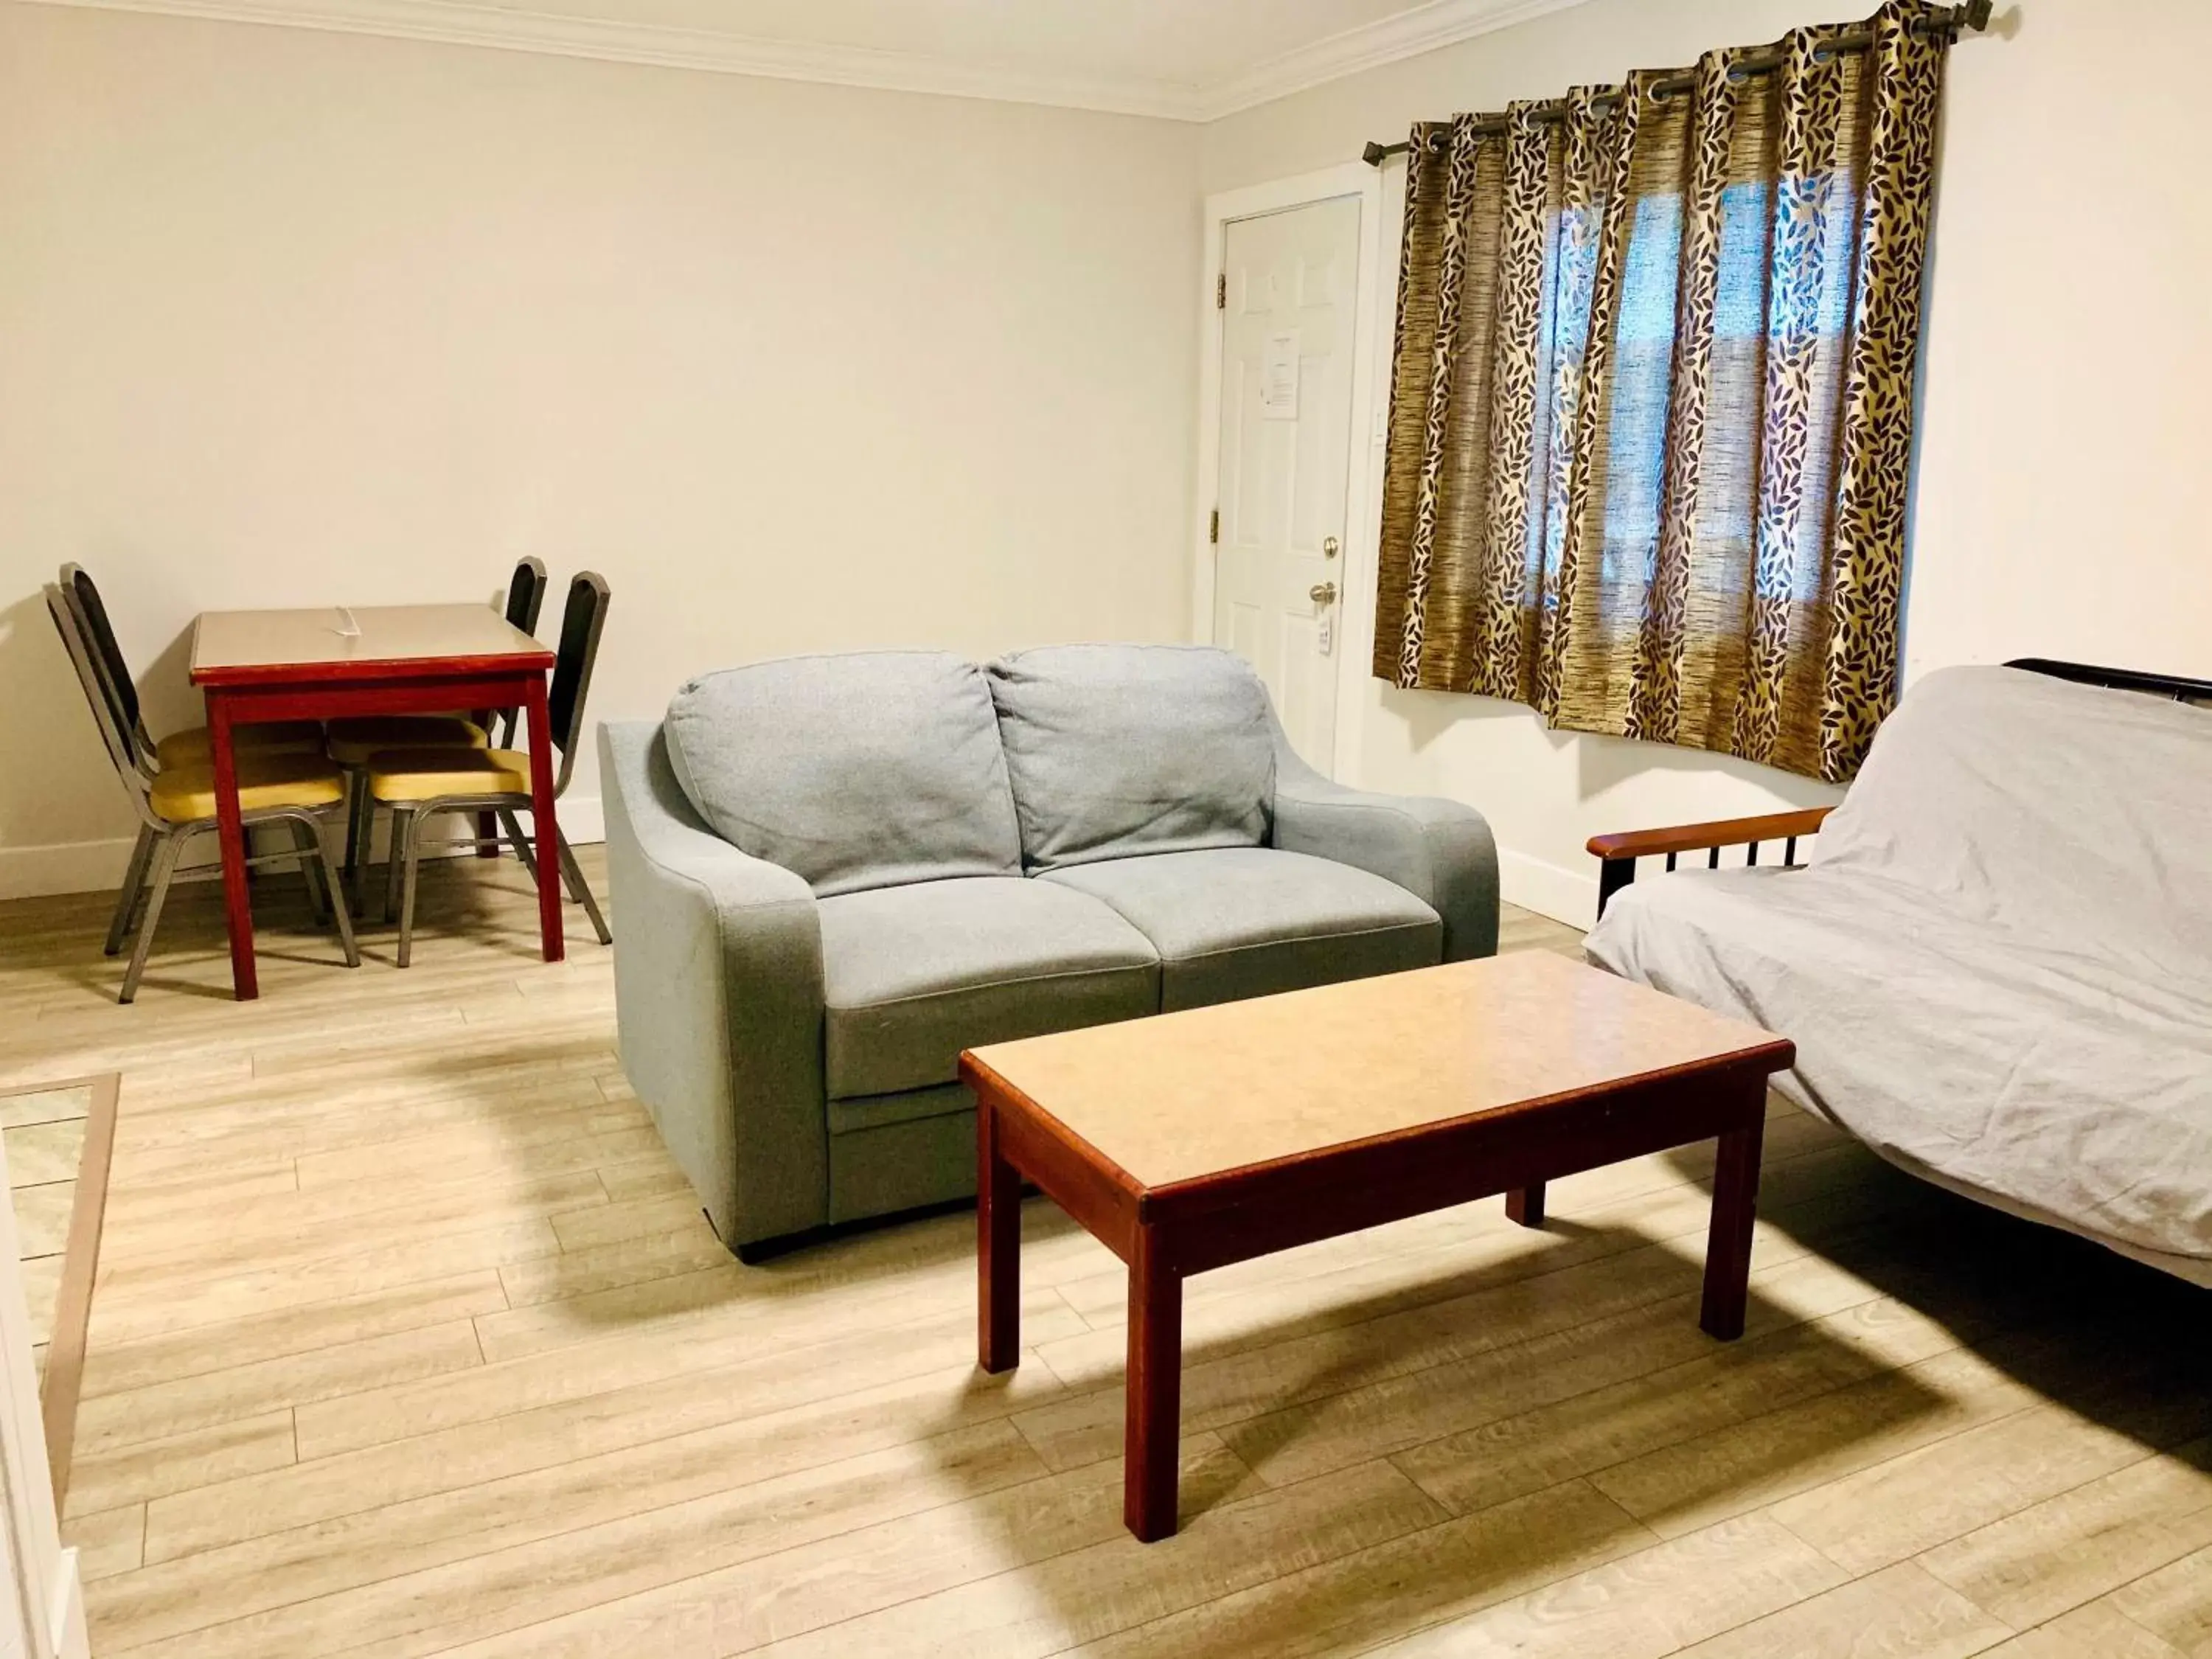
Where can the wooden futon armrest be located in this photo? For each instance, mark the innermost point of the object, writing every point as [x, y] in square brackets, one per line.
[1695, 837]
[1619, 852]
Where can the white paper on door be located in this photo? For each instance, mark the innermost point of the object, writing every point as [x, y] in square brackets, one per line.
[1279, 377]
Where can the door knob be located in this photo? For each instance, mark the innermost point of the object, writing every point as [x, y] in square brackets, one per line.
[1323, 593]
[1328, 547]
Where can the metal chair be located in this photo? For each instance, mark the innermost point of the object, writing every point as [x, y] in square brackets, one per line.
[525, 602]
[418, 784]
[175, 803]
[191, 746]
[353, 740]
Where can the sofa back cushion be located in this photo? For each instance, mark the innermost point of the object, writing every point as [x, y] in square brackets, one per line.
[857, 771]
[2058, 811]
[1120, 750]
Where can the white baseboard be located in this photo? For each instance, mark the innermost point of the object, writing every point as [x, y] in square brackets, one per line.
[97, 866]
[583, 820]
[70, 866]
[65, 1623]
[1567, 896]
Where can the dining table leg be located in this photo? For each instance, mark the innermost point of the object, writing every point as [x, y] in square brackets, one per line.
[230, 831]
[541, 814]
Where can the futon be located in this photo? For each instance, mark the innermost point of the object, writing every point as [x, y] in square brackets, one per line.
[1998, 964]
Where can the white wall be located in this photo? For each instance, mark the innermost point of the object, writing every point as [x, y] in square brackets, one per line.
[287, 317]
[2063, 497]
[290, 317]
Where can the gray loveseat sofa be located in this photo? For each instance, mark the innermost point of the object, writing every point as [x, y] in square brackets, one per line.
[837, 873]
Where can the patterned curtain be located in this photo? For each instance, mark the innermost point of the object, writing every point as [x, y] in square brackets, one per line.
[1651, 408]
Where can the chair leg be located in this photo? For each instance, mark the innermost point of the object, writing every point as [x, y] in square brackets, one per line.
[580, 889]
[356, 790]
[521, 843]
[415, 823]
[311, 870]
[165, 867]
[320, 830]
[134, 883]
[401, 818]
[361, 836]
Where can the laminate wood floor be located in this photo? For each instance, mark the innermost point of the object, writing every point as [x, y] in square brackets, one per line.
[43, 1131]
[409, 1339]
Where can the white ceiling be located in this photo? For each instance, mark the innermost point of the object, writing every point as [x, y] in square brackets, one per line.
[1186, 59]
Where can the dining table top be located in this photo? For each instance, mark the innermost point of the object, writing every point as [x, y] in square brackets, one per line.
[236, 648]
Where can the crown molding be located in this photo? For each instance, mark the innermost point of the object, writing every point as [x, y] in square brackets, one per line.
[462, 23]
[457, 22]
[1408, 35]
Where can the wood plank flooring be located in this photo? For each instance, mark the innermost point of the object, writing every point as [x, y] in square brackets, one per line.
[58, 1139]
[408, 1340]
[45, 1132]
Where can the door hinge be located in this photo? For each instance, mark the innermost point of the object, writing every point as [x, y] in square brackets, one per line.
[1214, 528]
[1221, 291]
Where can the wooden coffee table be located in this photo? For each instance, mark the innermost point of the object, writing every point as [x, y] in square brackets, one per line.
[1194, 1139]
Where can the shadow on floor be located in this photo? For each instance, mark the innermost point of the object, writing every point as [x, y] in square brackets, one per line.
[1497, 1415]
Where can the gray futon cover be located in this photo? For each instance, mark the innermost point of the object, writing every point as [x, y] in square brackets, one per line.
[1997, 967]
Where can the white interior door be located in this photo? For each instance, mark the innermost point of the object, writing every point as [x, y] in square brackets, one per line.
[1289, 316]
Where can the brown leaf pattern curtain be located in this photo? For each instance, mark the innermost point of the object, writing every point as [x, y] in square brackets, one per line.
[1652, 407]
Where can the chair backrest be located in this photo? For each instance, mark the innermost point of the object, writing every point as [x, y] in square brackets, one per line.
[97, 635]
[525, 599]
[108, 711]
[582, 620]
[526, 594]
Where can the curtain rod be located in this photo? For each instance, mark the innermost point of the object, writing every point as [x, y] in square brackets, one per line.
[1970, 15]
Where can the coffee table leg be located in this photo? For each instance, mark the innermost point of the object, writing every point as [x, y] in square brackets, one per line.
[1526, 1204]
[1728, 1245]
[1154, 1419]
[997, 1246]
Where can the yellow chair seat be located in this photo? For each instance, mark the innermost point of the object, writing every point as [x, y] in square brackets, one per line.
[410, 775]
[190, 747]
[352, 741]
[183, 793]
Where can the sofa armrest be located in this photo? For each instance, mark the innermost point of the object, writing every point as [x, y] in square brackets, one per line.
[1617, 854]
[717, 999]
[1440, 851]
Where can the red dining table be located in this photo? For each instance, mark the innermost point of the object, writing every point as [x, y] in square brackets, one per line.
[372, 660]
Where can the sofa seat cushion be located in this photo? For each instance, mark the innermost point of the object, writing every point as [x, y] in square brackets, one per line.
[855, 771]
[1115, 750]
[1244, 922]
[913, 975]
